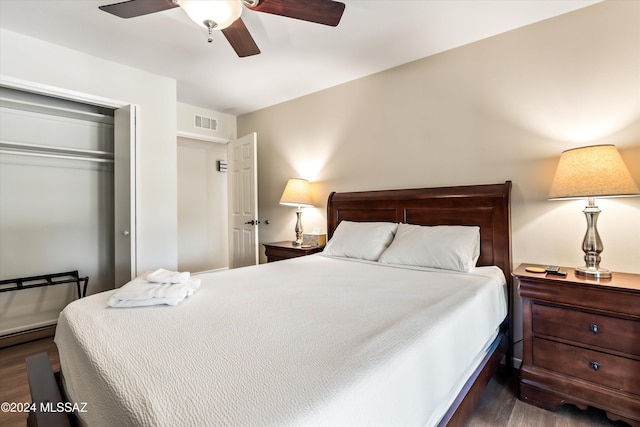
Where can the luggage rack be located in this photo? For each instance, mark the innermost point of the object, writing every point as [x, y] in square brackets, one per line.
[46, 280]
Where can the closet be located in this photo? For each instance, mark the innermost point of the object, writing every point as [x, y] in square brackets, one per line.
[56, 202]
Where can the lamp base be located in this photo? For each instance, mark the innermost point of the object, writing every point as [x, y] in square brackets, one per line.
[298, 241]
[592, 246]
[593, 273]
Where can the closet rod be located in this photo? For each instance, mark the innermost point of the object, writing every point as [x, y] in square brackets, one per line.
[56, 156]
[17, 145]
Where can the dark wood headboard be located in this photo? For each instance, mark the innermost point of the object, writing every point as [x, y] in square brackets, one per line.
[487, 206]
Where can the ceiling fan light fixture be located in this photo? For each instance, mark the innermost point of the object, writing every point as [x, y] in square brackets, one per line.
[222, 13]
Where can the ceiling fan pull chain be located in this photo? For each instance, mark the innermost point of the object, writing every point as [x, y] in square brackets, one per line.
[211, 26]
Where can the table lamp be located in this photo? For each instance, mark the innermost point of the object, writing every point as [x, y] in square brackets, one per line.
[297, 193]
[590, 172]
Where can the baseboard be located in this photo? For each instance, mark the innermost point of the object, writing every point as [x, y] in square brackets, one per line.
[27, 336]
[517, 363]
[210, 271]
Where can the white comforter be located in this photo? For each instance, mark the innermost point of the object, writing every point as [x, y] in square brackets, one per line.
[308, 341]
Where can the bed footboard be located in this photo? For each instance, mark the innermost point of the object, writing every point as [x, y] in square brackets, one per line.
[45, 394]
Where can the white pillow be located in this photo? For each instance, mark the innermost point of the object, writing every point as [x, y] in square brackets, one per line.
[449, 247]
[361, 240]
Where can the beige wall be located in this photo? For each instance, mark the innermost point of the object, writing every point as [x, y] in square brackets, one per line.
[499, 109]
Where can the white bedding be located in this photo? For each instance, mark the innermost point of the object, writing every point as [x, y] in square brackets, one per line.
[307, 341]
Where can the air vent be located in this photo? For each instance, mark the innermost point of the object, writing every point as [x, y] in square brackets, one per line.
[203, 122]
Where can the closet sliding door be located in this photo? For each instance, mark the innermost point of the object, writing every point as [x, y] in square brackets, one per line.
[56, 202]
[125, 232]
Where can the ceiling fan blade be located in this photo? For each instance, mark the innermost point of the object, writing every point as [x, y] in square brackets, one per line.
[240, 39]
[325, 12]
[133, 8]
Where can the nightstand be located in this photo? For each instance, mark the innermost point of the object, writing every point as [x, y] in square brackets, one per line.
[581, 342]
[284, 250]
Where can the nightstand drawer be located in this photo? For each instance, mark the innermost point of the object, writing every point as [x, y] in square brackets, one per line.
[612, 371]
[592, 329]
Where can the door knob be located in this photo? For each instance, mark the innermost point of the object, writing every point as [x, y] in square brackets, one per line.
[253, 222]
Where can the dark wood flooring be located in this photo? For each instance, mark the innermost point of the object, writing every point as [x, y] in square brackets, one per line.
[498, 407]
[13, 376]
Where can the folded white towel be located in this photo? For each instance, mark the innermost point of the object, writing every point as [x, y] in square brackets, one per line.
[165, 276]
[139, 292]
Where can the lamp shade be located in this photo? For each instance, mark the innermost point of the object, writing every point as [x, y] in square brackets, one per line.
[595, 171]
[221, 12]
[297, 193]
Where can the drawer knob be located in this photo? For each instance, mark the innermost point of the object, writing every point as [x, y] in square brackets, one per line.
[595, 329]
[595, 366]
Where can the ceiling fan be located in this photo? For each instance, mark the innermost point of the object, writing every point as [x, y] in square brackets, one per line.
[224, 15]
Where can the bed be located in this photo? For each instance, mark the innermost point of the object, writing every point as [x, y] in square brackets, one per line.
[338, 338]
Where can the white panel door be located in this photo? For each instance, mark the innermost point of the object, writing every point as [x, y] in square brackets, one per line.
[124, 194]
[243, 201]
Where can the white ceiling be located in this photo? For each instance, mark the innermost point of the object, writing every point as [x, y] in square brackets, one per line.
[297, 57]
